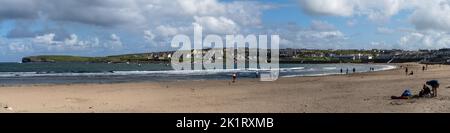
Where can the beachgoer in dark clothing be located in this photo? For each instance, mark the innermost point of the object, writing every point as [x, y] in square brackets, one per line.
[354, 70]
[434, 85]
[423, 68]
[406, 70]
[234, 76]
[341, 70]
[346, 72]
[426, 91]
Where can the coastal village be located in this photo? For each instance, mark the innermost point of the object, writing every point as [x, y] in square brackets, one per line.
[288, 55]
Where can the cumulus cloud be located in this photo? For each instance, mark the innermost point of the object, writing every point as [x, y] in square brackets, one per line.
[433, 15]
[221, 25]
[328, 7]
[167, 31]
[201, 7]
[130, 12]
[45, 39]
[428, 39]
[426, 15]
[164, 18]
[374, 10]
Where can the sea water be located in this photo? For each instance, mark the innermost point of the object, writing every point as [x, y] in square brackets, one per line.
[67, 73]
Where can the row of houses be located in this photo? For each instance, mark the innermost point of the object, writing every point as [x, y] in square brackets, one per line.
[375, 54]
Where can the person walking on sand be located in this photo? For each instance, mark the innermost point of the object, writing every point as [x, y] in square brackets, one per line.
[234, 76]
[423, 68]
[406, 70]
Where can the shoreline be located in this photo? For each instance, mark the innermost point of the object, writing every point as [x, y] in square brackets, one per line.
[387, 67]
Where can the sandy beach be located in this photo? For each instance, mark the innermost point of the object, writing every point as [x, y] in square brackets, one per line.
[360, 92]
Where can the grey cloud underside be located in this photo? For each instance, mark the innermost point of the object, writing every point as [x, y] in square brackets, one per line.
[96, 12]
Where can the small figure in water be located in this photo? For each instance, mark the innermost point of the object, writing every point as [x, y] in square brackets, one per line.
[341, 70]
[354, 70]
[346, 72]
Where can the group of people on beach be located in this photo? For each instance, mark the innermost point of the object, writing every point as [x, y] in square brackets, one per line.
[429, 89]
[346, 72]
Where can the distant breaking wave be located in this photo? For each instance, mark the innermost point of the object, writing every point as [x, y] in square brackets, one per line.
[284, 72]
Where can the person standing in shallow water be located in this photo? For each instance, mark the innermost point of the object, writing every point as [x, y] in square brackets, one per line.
[346, 72]
[354, 70]
[341, 70]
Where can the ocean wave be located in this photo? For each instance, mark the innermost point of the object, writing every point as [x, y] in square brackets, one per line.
[286, 72]
[329, 68]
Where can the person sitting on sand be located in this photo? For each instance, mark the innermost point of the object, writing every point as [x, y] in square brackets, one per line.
[425, 92]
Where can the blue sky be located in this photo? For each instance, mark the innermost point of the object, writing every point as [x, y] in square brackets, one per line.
[108, 27]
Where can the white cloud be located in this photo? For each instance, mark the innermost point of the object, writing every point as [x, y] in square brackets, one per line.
[71, 43]
[167, 31]
[131, 14]
[428, 39]
[201, 7]
[373, 9]
[433, 15]
[217, 24]
[328, 7]
[426, 14]
[45, 39]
